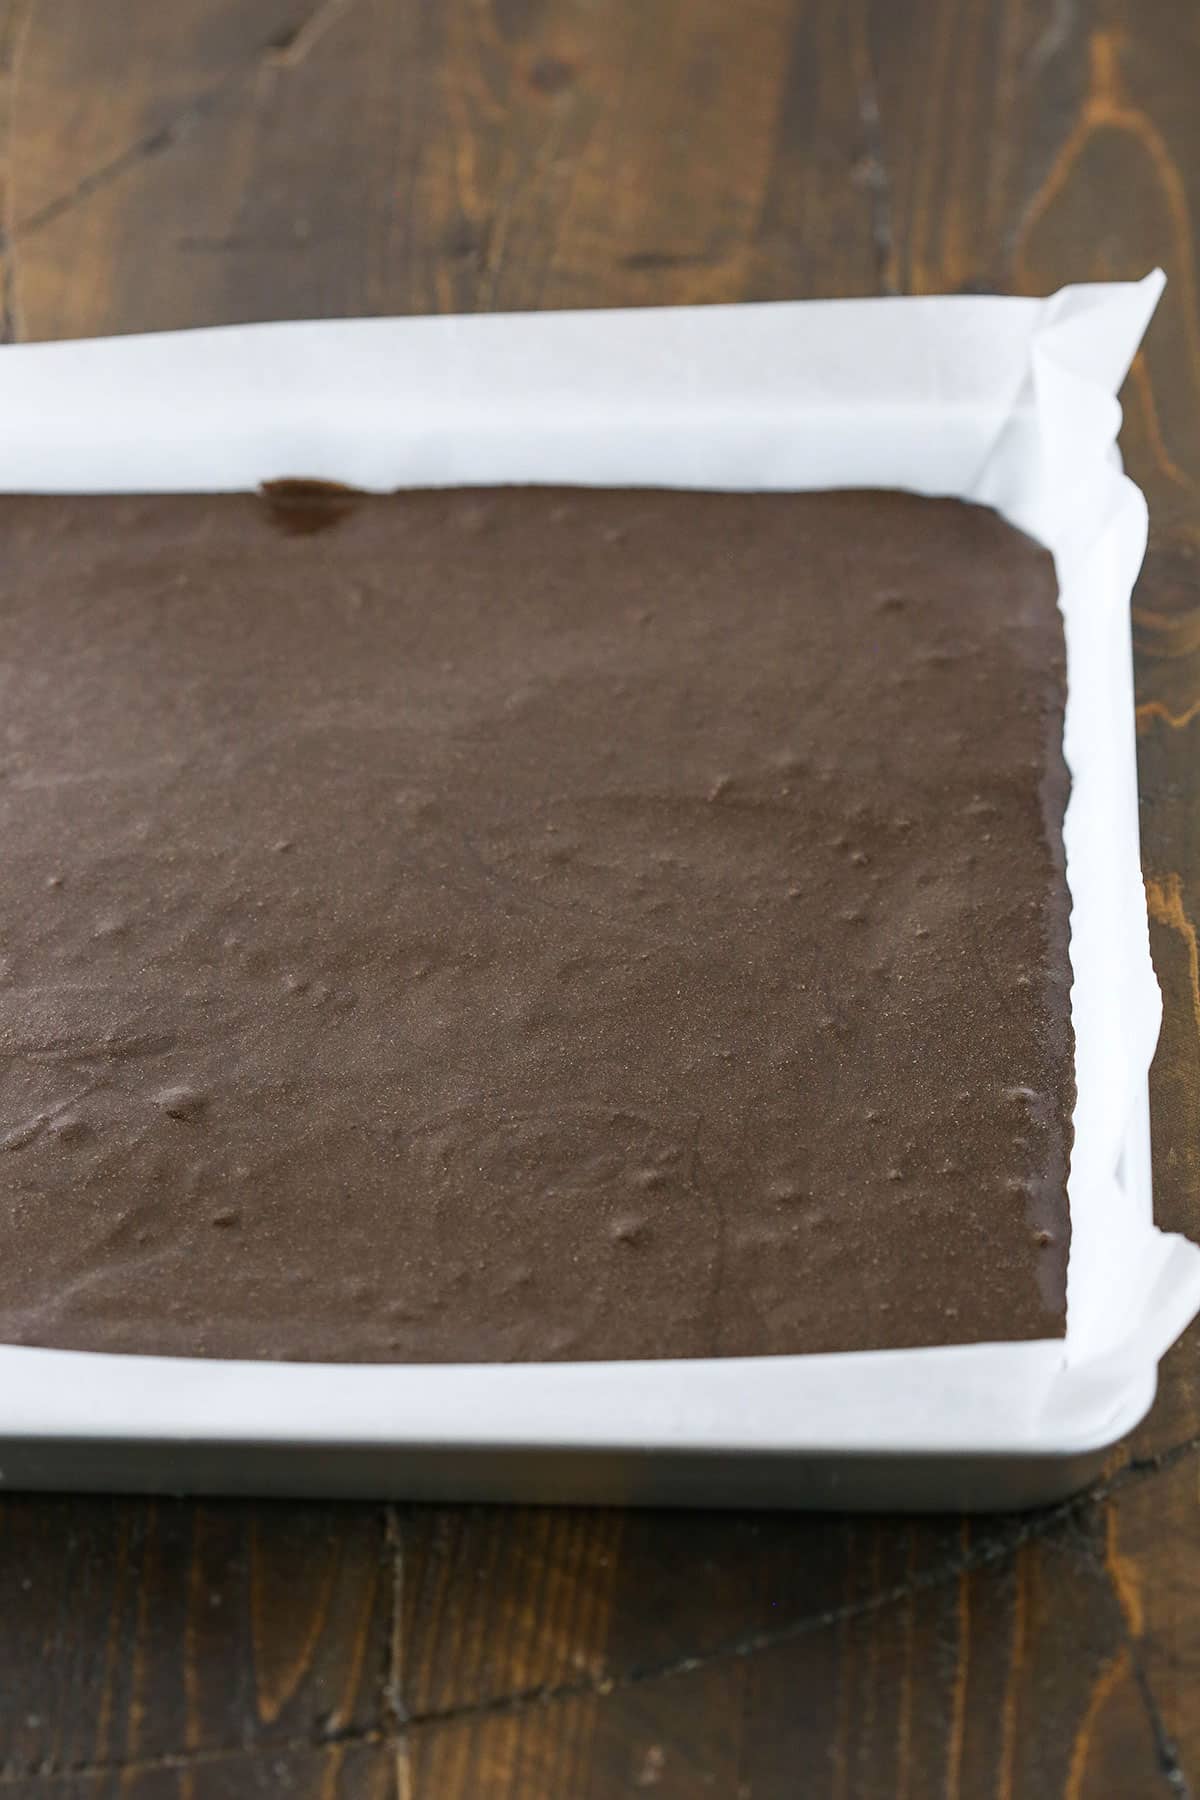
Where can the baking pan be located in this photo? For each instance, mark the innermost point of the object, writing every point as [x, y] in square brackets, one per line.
[1009, 402]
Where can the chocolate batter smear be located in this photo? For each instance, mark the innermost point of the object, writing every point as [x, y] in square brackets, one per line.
[530, 924]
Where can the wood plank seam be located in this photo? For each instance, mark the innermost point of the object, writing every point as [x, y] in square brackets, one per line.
[1130, 1611]
[185, 1761]
[983, 1554]
[394, 1732]
[1127, 1660]
[392, 1709]
[278, 51]
[14, 30]
[1168, 1753]
[872, 172]
[1147, 1469]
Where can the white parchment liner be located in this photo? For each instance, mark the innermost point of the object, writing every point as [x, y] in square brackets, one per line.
[1009, 401]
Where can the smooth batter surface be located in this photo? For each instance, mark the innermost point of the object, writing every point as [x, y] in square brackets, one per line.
[530, 924]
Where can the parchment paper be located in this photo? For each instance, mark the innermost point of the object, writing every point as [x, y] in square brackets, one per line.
[1008, 401]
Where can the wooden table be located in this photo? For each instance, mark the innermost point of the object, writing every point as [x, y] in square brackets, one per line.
[185, 162]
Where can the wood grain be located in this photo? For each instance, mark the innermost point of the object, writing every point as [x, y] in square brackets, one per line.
[238, 159]
[417, 158]
[338, 1772]
[133, 1632]
[898, 1659]
[1160, 1594]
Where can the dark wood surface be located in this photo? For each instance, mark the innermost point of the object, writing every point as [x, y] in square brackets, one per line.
[213, 160]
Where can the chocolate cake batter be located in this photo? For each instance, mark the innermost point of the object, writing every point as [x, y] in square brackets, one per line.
[530, 924]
